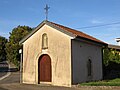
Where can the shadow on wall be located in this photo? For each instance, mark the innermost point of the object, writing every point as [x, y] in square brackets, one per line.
[112, 71]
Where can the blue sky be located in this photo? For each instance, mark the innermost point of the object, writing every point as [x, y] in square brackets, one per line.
[72, 13]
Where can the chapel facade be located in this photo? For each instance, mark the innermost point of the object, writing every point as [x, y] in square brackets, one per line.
[58, 55]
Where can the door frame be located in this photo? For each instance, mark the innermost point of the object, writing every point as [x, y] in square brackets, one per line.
[39, 59]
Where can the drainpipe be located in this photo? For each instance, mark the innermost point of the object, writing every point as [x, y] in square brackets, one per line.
[20, 51]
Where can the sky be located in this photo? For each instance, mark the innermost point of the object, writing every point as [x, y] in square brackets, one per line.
[76, 14]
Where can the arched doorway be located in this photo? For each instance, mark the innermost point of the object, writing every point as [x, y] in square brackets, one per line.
[44, 69]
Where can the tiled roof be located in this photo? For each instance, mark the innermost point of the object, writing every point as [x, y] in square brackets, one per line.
[78, 33]
[63, 28]
[114, 46]
[117, 39]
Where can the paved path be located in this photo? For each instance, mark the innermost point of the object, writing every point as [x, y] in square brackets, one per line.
[13, 77]
[32, 87]
[43, 87]
[3, 68]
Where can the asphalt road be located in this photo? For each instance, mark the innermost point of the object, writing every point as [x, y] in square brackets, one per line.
[33, 87]
[3, 68]
[43, 87]
[14, 76]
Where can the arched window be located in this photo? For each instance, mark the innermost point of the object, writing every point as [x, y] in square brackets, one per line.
[44, 41]
[89, 67]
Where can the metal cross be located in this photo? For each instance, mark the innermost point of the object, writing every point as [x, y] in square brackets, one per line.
[46, 11]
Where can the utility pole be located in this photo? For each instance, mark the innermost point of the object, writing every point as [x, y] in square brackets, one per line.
[20, 52]
[46, 11]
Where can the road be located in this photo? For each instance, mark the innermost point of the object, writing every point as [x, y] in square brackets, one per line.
[34, 87]
[3, 68]
[13, 77]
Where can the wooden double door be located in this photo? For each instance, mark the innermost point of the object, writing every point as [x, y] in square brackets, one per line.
[44, 69]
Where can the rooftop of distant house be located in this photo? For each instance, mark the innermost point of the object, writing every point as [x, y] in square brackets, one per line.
[117, 39]
[116, 47]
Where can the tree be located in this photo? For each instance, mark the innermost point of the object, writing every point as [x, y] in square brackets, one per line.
[3, 41]
[12, 47]
[106, 56]
[111, 59]
[111, 55]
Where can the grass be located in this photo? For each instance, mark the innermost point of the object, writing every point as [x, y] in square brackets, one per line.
[113, 82]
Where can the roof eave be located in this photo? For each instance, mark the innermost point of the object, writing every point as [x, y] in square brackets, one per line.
[49, 24]
[61, 30]
[114, 46]
[33, 31]
[101, 43]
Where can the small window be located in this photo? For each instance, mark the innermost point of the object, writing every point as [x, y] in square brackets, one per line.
[89, 67]
[44, 41]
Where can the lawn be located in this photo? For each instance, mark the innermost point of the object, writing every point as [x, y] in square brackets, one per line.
[113, 82]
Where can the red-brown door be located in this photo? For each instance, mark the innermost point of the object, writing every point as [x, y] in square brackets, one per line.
[44, 71]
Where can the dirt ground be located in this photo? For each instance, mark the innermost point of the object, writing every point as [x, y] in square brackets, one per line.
[18, 86]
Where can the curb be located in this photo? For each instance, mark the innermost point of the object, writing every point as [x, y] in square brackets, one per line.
[8, 73]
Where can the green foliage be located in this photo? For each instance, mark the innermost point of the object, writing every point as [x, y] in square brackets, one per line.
[106, 56]
[114, 82]
[3, 41]
[12, 47]
[111, 60]
[110, 55]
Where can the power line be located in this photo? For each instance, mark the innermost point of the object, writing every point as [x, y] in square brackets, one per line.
[99, 25]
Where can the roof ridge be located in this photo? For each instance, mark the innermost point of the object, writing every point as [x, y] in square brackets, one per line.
[76, 32]
[67, 27]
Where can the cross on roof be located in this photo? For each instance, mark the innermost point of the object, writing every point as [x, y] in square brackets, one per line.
[46, 11]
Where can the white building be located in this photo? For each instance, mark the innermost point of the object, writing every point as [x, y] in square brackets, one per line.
[58, 55]
[118, 40]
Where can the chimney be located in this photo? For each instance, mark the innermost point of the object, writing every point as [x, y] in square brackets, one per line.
[118, 40]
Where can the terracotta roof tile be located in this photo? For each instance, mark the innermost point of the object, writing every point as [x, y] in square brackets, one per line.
[72, 31]
[78, 33]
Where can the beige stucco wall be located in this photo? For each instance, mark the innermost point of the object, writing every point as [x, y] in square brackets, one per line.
[81, 52]
[59, 49]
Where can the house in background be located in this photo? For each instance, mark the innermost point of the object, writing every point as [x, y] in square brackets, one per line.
[114, 47]
[58, 55]
[118, 40]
